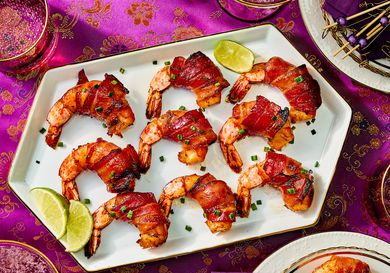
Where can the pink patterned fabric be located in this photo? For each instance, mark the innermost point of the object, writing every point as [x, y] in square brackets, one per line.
[89, 29]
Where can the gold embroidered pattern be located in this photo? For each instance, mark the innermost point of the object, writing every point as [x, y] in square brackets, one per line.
[116, 44]
[184, 33]
[134, 268]
[94, 14]
[61, 24]
[88, 53]
[142, 12]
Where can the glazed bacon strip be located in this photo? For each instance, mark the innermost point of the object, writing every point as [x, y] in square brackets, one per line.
[104, 100]
[118, 168]
[199, 74]
[339, 264]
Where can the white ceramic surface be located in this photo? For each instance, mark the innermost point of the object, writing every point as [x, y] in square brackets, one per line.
[292, 257]
[118, 244]
[314, 22]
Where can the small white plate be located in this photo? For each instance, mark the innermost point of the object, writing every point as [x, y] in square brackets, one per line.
[312, 16]
[118, 241]
[307, 253]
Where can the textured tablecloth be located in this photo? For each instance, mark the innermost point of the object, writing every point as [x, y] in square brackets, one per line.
[94, 28]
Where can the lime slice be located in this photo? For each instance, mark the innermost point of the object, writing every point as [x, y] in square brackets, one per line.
[53, 207]
[234, 56]
[79, 227]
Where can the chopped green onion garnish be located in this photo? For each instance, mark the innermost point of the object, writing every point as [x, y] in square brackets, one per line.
[317, 164]
[112, 214]
[179, 136]
[84, 90]
[274, 118]
[42, 131]
[231, 216]
[110, 94]
[130, 214]
[60, 144]
[99, 109]
[303, 171]
[254, 157]
[113, 82]
[182, 108]
[307, 123]
[85, 156]
[267, 149]
[123, 208]
[258, 202]
[87, 201]
[292, 127]
[186, 141]
[167, 63]
[161, 158]
[154, 62]
[173, 76]
[291, 191]
[217, 212]
[37, 161]
[299, 79]
[241, 131]
[202, 168]
[313, 120]
[202, 109]
[112, 175]
[182, 200]
[112, 185]
[104, 125]
[200, 131]
[204, 215]
[193, 128]
[313, 132]
[253, 206]
[122, 70]
[188, 228]
[171, 211]
[217, 84]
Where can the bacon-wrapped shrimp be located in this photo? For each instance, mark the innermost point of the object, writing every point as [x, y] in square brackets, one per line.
[197, 73]
[254, 118]
[340, 264]
[104, 100]
[190, 128]
[281, 172]
[118, 168]
[140, 209]
[214, 196]
[298, 86]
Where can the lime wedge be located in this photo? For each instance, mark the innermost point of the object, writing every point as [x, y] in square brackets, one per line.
[53, 207]
[79, 227]
[234, 56]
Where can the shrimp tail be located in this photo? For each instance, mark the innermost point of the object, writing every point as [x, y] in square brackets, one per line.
[145, 156]
[165, 203]
[53, 135]
[243, 202]
[93, 243]
[69, 190]
[154, 104]
[232, 156]
[239, 90]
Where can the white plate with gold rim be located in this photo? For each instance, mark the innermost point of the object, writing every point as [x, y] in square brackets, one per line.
[118, 244]
[308, 253]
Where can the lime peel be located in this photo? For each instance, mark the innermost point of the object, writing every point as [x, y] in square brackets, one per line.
[234, 56]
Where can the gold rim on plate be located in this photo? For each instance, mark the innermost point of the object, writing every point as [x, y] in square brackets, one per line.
[262, 5]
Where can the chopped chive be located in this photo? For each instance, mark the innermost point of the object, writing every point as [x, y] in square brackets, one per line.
[253, 206]
[204, 215]
[217, 212]
[202, 168]
[173, 76]
[254, 157]
[182, 200]
[96, 86]
[84, 90]
[110, 94]
[60, 144]
[179, 136]
[193, 128]
[171, 211]
[217, 84]
[122, 70]
[112, 185]
[267, 149]
[292, 127]
[99, 109]
[87, 201]
[231, 216]
[123, 208]
[104, 125]
[313, 120]
[200, 131]
[130, 214]
[112, 214]
[161, 158]
[317, 164]
[154, 62]
[202, 109]
[113, 82]
[241, 131]
[258, 202]
[188, 228]
[303, 171]
[298, 79]
[186, 141]
[37, 161]
[42, 131]
[291, 191]
[112, 175]
[182, 108]
[307, 123]
[313, 132]
[292, 141]
[274, 118]
[167, 63]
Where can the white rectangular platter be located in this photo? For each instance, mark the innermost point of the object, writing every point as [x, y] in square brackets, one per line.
[118, 241]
